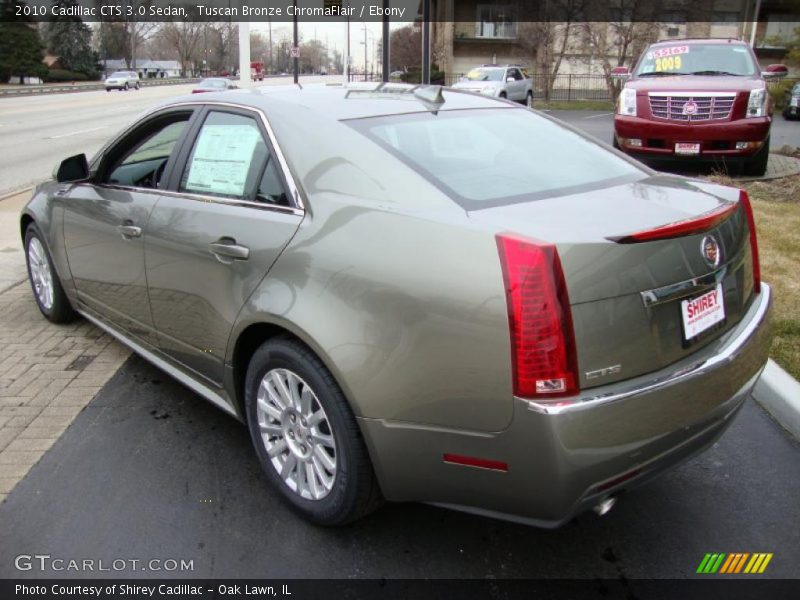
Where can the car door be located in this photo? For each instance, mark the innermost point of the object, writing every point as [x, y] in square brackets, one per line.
[105, 220]
[516, 88]
[212, 239]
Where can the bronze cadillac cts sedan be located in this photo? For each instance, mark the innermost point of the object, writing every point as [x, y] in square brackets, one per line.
[414, 294]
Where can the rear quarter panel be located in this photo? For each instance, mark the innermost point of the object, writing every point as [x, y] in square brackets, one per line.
[391, 285]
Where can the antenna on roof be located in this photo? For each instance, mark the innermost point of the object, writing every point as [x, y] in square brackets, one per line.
[429, 93]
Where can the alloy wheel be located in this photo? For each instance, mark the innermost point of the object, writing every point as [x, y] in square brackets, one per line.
[296, 433]
[41, 276]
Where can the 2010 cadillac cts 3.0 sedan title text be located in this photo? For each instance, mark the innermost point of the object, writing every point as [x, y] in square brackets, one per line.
[413, 293]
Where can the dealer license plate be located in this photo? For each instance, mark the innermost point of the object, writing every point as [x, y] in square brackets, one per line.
[684, 148]
[702, 312]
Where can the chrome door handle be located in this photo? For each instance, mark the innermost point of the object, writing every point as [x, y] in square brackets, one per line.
[130, 231]
[227, 248]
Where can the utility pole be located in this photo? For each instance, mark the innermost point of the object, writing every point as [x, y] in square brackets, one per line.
[296, 47]
[426, 42]
[385, 43]
[365, 52]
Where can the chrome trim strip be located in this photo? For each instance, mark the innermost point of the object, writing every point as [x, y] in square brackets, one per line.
[694, 94]
[727, 354]
[204, 198]
[194, 385]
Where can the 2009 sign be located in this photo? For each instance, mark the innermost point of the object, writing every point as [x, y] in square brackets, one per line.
[669, 63]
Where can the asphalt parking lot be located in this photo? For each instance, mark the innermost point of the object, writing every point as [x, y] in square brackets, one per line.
[601, 125]
[149, 470]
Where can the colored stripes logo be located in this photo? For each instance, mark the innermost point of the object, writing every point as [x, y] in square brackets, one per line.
[737, 562]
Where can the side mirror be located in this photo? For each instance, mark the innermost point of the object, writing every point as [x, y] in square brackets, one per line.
[74, 168]
[775, 72]
[620, 73]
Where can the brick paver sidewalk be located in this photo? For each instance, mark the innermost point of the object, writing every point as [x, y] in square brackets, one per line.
[48, 373]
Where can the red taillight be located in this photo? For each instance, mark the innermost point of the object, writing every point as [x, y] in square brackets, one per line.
[744, 200]
[543, 355]
[691, 226]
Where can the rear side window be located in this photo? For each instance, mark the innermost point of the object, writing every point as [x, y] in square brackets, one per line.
[489, 157]
[227, 159]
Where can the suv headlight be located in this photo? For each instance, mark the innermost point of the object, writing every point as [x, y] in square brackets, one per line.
[757, 103]
[626, 103]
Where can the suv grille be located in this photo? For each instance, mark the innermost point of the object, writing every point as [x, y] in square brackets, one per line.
[686, 107]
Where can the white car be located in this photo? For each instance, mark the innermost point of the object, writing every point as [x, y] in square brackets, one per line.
[122, 80]
[501, 81]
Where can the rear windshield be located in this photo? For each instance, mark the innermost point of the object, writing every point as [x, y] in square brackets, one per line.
[490, 157]
[697, 59]
[215, 83]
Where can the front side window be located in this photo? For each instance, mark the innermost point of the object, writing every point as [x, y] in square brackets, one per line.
[140, 159]
[227, 159]
[490, 157]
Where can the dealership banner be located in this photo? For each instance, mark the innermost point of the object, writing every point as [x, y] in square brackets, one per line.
[391, 589]
[404, 11]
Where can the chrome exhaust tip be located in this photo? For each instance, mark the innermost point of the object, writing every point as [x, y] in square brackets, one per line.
[604, 506]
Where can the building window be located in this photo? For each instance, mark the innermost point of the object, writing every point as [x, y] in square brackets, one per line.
[496, 21]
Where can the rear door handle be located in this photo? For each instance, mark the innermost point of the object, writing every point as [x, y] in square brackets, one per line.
[130, 231]
[227, 248]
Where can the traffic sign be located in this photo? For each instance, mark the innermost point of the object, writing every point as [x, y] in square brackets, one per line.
[295, 51]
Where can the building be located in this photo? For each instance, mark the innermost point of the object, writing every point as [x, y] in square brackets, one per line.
[146, 68]
[466, 33]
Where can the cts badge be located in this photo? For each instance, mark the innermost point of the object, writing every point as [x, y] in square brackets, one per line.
[604, 372]
[710, 250]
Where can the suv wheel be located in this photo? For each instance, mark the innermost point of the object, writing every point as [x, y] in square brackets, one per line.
[529, 100]
[757, 165]
[137, 85]
[503, 95]
[126, 86]
[306, 436]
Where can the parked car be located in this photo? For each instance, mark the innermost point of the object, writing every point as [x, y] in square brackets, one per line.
[501, 81]
[696, 101]
[413, 293]
[792, 109]
[122, 80]
[214, 84]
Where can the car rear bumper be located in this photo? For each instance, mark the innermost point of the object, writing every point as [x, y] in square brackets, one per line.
[717, 139]
[562, 460]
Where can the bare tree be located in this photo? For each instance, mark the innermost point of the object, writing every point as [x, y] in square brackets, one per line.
[548, 41]
[183, 37]
[630, 26]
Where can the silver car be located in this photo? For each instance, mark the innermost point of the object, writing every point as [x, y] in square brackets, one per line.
[501, 81]
[122, 80]
[414, 294]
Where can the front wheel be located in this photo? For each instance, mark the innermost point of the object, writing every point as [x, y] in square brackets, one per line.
[47, 290]
[757, 166]
[306, 436]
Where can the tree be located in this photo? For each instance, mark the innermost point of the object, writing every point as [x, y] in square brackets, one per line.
[549, 40]
[405, 48]
[628, 28]
[70, 39]
[21, 48]
[183, 37]
[313, 57]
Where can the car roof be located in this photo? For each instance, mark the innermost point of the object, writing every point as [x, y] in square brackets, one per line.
[354, 101]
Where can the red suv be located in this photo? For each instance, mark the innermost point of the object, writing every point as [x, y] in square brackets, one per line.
[698, 101]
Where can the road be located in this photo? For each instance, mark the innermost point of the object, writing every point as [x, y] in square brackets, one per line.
[37, 132]
[150, 470]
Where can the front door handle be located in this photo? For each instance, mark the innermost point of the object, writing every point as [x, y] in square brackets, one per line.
[130, 231]
[226, 248]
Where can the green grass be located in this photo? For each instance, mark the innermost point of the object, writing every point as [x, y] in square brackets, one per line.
[574, 105]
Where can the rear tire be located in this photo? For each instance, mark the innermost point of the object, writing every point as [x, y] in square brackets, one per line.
[47, 290]
[126, 86]
[306, 437]
[137, 85]
[529, 100]
[757, 165]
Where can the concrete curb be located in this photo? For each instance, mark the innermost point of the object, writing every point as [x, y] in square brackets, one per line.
[779, 393]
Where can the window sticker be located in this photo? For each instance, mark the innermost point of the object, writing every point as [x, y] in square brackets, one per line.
[222, 158]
